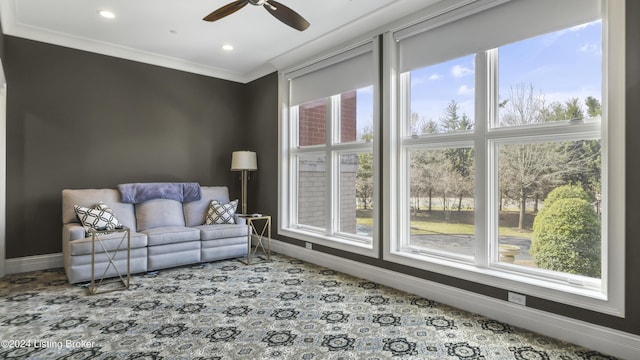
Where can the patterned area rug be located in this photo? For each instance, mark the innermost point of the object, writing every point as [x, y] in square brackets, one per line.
[284, 309]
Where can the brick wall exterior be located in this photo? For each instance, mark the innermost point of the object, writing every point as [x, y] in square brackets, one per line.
[312, 190]
[348, 125]
[313, 121]
[313, 185]
[312, 125]
[348, 170]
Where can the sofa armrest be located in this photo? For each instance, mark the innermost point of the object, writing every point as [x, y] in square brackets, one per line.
[73, 231]
[240, 220]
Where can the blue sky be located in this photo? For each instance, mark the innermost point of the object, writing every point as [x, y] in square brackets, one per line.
[560, 66]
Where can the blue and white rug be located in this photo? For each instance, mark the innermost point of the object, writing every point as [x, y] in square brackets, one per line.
[284, 309]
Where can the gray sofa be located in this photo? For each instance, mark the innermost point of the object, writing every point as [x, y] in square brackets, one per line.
[164, 233]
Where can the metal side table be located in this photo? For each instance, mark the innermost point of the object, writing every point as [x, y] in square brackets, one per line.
[258, 228]
[97, 244]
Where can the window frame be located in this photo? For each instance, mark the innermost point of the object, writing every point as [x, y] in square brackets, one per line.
[333, 148]
[609, 298]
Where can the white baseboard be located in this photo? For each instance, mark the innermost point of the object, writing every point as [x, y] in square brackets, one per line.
[605, 340]
[33, 263]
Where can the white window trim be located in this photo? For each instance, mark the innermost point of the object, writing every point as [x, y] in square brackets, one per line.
[287, 208]
[610, 299]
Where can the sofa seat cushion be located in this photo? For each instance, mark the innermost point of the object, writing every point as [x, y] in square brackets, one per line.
[78, 268]
[171, 235]
[221, 231]
[225, 242]
[110, 241]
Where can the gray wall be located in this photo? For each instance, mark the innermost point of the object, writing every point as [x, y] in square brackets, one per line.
[263, 118]
[81, 120]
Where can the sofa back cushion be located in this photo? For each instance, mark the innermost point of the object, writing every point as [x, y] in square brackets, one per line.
[159, 213]
[90, 197]
[195, 211]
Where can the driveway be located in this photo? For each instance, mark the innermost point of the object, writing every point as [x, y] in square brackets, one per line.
[463, 244]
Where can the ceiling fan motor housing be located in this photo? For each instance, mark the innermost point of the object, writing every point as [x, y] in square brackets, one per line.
[257, 2]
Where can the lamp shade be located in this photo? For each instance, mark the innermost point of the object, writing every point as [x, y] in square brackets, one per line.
[244, 160]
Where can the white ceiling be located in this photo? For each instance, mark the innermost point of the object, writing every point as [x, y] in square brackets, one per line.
[171, 33]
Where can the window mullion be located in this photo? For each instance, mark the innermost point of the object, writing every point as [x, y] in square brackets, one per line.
[294, 184]
[404, 168]
[485, 160]
[331, 166]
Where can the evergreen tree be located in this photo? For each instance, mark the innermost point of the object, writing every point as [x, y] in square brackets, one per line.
[460, 160]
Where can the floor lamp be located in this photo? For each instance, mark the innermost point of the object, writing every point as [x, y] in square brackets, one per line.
[244, 161]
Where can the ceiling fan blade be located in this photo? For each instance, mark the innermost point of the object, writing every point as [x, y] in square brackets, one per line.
[226, 10]
[286, 15]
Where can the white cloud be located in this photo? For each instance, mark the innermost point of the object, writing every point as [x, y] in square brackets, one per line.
[435, 76]
[460, 71]
[465, 90]
[589, 48]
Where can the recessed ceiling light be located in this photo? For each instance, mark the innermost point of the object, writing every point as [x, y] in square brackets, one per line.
[227, 47]
[106, 14]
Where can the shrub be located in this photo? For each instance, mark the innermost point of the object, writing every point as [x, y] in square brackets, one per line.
[566, 235]
[566, 192]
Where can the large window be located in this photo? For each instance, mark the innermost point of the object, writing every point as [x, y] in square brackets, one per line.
[500, 149]
[501, 160]
[331, 198]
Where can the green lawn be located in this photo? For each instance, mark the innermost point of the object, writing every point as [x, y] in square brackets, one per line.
[458, 223]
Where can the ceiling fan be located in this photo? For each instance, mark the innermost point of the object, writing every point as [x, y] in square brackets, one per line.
[281, 12]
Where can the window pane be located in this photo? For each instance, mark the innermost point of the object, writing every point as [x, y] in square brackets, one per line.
[552, 77]
[549, 206]
[442, 200]
[312, 123]
[356, 115]
[313, 190]
[442, 97]
[356, 193]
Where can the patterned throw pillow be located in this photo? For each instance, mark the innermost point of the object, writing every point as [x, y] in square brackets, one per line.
[99, 217]
[102, 206]
[221, 213]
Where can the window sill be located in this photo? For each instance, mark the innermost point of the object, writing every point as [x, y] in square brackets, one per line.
[335, 242]
[501, 277]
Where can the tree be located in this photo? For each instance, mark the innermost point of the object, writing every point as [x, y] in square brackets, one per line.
[593, 106]
[364, 174]
[364, 179]
[528, 168]
[570, 110]
[460, 159]
[524, 168]
[424, 170]
[587, 153]
[531, 170]
[523, 107]
[426, 175]
[566, 233]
